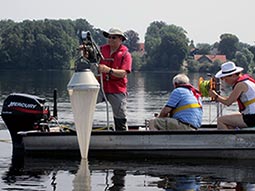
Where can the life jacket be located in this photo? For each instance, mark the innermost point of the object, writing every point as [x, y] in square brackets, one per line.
[197, 95]
[107, 61]
[120, 59]
[243, 105]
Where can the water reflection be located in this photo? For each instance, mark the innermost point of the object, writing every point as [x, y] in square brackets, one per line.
[118, 180]
[32, 173]
[181, 183]
[178, 175]
[245, 187]
[82, 179]
[57, 173]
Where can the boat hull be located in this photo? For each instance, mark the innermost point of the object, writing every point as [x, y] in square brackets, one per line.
[150, 144]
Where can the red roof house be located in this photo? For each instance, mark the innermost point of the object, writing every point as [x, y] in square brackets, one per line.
[209, 58]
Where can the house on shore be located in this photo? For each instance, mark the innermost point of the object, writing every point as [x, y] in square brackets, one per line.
[210, 58]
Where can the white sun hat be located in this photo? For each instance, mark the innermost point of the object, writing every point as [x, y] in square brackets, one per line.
[227, 69]
[114, 31]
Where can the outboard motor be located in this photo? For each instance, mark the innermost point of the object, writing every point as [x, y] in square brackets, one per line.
[23, 112]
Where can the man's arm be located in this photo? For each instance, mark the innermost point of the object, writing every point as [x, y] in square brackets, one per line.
[165, 112]
[119, 73]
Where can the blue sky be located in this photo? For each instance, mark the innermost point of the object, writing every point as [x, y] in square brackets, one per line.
[203, 20]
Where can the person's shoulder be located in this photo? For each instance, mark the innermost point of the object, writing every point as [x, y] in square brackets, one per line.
[182, 89]
[124, 51]
[242, 86]
[105, 46]
[123, 48]
[176, 91]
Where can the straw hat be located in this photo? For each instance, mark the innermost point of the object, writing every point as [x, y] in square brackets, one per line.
[227, 69]
[114, 31]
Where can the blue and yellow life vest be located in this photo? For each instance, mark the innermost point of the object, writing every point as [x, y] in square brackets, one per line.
[197, 95]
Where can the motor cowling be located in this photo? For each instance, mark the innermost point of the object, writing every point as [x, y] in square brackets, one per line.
[22, 112]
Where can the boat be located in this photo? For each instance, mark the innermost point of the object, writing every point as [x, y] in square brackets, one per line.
[199, 144]
[27, 119]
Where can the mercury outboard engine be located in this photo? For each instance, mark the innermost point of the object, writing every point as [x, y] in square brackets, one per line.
[23, 112]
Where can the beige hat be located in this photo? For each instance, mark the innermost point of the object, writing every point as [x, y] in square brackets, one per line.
[114, 31]
[227, 69]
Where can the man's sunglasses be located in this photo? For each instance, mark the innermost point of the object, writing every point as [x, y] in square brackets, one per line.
[112, 37]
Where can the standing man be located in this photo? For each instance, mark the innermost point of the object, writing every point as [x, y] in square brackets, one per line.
[115, 66]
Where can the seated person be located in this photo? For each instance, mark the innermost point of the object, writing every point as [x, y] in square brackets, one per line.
[243, 92]
[183, 110]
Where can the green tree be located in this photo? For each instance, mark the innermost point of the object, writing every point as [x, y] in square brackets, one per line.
[228, 45]
[132, 40]
[192, 65]
[137, 61]
[174, 49]
[166, 46]
[252, 49]
[12, 45]
[244, 58]
[43, 44]
[152, 37]
[203, 48]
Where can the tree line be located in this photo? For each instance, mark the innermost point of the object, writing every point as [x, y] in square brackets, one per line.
[52, 44]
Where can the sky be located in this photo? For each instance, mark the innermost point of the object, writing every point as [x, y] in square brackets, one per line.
[204, 21]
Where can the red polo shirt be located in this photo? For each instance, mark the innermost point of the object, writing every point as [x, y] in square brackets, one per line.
[120, 59]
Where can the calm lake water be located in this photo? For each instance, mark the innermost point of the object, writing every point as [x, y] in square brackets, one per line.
[148, 92]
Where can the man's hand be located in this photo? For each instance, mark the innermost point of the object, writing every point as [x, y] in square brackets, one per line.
[213, 94]
[103, 68]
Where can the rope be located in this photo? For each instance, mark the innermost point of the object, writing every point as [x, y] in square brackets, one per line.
[204, 88]
[205, 85]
